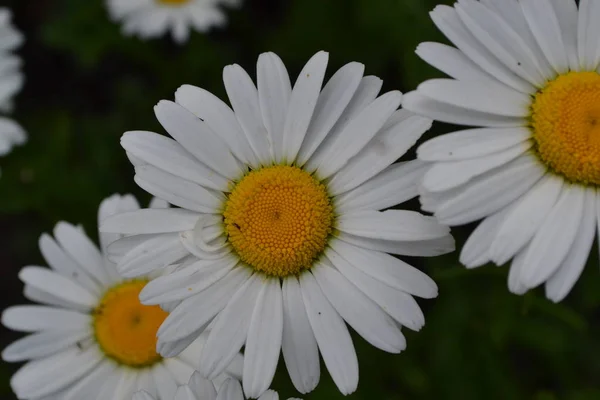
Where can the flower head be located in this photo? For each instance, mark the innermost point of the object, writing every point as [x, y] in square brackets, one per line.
[91, 337]
[526, 75]
[280, 203]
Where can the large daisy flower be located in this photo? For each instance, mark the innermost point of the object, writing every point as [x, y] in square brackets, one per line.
[11, 81]
[280, 200]
[91, 338]
[153, 18]
[199, 388]
[526, 73]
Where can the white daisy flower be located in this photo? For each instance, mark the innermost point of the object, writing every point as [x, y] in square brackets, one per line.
[199, 388]
[153, 18]
[91, 338]
[280, 200]
[11, 81]
[527, 73]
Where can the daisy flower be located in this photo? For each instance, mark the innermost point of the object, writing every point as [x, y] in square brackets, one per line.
[280, 200]
[153, 18]
[525, 74]
[91, 338]
[202, 389]
[11, 81]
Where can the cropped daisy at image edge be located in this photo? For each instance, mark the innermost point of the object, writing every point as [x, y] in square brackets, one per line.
[280, 202]
[526, 75]
[89, 336]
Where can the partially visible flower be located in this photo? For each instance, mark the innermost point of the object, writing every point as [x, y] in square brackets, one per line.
[199, 388]
[285, 201]
[154, 18]
[526, 75]
[11, 81]
[92, 338]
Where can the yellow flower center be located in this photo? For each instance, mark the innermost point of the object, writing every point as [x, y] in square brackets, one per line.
[278, 220]
[173, 2]
[566, 126]
[126, 329]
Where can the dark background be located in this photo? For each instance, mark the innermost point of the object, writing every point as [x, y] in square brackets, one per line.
[86, 85]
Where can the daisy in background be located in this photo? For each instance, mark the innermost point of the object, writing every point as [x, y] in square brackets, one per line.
[280, 201]
[91, 338]
[526, 73]
[11, 81]
[153, 18]
[199, 388]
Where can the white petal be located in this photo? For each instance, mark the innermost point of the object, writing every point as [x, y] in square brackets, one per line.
[551, 243]
[387, 146]
[394, 185]
[400, 225]
[244, 100]
[566, 12]
[524, 220]
[358, 133]
[230, 390]
[220, 119]
[187, 282]
[274, 91]
[170, 156]
[451, 61]
[387, 269]
[263, 344]
[514, 275]
[448, 175]
[151, 255]
[367, 91]
[177, 191]
[333, 100]
[476, 251]
[449, 23]
[230, 330]
[545, 27]
[204, 306]
[445, 112]
[197, 138]
[42, 344]
[398, 304]
[486, 97]
[332, 336]
[491, 191]
[57, 285]
[151, 221]
[587, 35]
[82, 250]
[300, 351]
[422, 248]
[64, 264]
[471, 143]
[562, 281]
[499, 38]
[359, 311]
[142, 396]
[31, 318]
[302, 104]
[202, 387]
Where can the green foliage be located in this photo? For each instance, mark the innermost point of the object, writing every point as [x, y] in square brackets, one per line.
[87, 84]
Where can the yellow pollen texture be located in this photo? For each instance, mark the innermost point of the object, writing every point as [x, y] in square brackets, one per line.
[126, 329]
[278, 220]
[566, 126]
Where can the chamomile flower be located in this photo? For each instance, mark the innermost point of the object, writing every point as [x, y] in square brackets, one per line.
[91, 338]
[526, 74]
[202, 389]
[11, 81]
[153, 18]
[280, 201]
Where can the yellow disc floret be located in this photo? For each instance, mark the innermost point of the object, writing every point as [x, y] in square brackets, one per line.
[566, 126]
[126, 329]
[278, 220]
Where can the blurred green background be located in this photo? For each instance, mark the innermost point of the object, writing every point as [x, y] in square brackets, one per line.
[86, 85]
